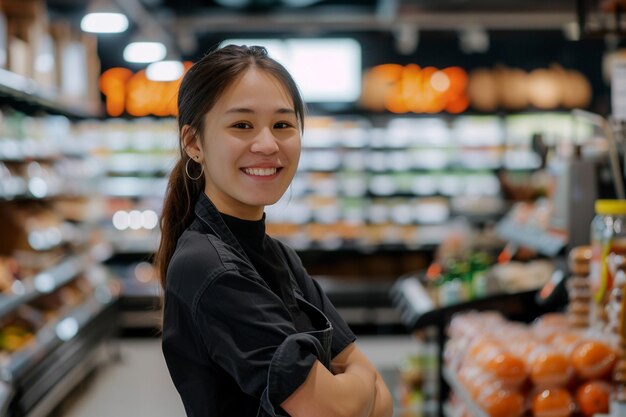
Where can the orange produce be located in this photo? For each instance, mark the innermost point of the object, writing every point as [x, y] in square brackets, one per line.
[502, 403]
[593, 359]
[550, 369]
[484, 347]
[507, 368]
[593, 397]
[498, 362]
[555, 402]
[475, 380]
[523, 348]
[567, 342]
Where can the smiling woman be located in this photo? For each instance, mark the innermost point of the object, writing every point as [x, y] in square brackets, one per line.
[250, 145]
[246, 331]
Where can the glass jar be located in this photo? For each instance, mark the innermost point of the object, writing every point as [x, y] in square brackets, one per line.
[608, 245]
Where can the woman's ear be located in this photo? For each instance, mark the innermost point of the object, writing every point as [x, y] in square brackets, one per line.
[192, 145]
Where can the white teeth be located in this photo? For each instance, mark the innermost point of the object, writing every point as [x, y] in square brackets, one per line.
[261, 172]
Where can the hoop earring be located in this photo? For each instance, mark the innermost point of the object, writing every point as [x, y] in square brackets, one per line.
[187, 170]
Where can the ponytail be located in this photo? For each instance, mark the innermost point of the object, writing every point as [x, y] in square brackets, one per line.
[178, 212]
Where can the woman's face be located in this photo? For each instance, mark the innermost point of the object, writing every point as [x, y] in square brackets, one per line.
[251, 145]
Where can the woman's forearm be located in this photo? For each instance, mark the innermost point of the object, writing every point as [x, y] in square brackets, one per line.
[361, 382]
[383, 402]
[373, 394]
[351, 393]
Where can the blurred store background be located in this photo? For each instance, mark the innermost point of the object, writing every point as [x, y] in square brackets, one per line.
[453, 158]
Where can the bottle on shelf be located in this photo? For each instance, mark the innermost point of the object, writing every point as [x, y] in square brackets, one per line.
[608, 244]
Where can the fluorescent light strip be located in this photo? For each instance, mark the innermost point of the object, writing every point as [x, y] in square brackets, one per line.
[144, 52]
[104, 23]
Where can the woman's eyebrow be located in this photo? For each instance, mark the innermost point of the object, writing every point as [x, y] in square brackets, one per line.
[247, 110]
[240, 110]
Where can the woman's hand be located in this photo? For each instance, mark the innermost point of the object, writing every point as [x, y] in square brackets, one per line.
[352, 357]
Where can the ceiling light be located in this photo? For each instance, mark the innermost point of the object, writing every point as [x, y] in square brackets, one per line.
[104, 23]
[165, 70]
[144, 52]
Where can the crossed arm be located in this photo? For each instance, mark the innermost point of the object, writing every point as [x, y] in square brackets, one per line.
[353, 389]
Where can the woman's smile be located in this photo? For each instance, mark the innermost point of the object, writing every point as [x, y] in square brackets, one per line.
[262, 173]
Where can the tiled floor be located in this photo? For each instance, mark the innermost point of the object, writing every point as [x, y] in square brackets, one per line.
[140, 386]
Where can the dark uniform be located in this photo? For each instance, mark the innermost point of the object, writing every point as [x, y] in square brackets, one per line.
[243, 321]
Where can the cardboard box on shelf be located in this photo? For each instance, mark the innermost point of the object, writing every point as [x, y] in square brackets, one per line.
[25, 9]
[28, 40]
[61, 32]
[31, 51]
[77, 66]
[3, 38]
[44, 70]
[20, 50]
[94, 102]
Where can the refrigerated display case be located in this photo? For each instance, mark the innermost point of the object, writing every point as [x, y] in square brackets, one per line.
[58, 311]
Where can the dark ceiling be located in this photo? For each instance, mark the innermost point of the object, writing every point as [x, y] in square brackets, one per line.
[192, 26]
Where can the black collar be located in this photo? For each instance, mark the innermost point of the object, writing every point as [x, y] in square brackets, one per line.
[209, 220]
[212, 222]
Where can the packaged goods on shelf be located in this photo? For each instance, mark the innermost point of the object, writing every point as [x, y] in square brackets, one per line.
[17, 330]
[406, 174]
[418, 382]
[522, 276]
[553, 366]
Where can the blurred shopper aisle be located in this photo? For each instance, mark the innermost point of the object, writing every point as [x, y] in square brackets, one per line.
[139, 385]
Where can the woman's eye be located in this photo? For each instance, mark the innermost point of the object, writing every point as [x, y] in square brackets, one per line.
[282, 125]
[242, 125]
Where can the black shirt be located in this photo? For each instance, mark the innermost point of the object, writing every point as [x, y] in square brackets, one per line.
[229, 340]
[269, 264]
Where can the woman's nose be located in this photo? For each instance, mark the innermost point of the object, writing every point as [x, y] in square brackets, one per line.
[265, 143]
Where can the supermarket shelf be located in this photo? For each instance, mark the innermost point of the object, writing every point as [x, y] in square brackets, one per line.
[358, 247]
[49, 378]
[544, 242]
[14, 187]
[43, 283]
[360, 302]
[17, 188]
[139, 163]
[140, 305]
[6, 395]
[134, 319]
[125, 243]
[57, 332]
[473, 408]
[24, 90]
[448, 410]
[417, 309]
[56, 236]
[133, 187]
[96, 356]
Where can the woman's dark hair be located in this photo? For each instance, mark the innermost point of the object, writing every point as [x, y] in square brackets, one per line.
[200, 89]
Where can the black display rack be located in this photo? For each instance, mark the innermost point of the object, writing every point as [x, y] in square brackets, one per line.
[418, 311]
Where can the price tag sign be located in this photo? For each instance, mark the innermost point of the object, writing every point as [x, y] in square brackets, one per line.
[618, 89]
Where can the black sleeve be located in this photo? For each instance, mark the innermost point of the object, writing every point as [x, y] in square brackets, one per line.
[248, 331]
[342, 335]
